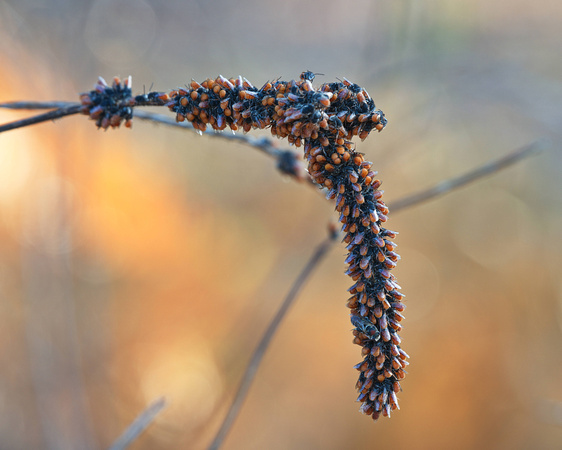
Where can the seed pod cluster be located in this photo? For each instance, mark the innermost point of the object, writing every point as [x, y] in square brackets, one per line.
[323, 120]
[293, 109]
[111, 105]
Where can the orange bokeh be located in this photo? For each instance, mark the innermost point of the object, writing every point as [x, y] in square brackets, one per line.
[142, 263]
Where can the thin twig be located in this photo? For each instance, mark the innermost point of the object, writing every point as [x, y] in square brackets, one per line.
[287, 161]
[51, 115]
[259, 352]
[37, 105]
[143, 420]
[444, 187]
[264, 144]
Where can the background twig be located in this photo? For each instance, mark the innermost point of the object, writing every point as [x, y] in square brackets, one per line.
[447, 186]
[259, 352]
[140, 424]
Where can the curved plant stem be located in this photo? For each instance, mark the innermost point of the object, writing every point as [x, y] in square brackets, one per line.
[260, 350]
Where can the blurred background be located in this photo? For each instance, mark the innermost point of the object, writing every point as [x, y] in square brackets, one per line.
[142, 263]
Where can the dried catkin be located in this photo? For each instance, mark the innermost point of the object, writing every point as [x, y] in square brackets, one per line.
[323, 120]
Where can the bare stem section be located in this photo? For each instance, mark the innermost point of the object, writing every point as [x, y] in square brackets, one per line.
[447, 186]
[250, 372]
[51, 115]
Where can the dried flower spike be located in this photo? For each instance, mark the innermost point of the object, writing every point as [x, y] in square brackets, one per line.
[324, 120]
